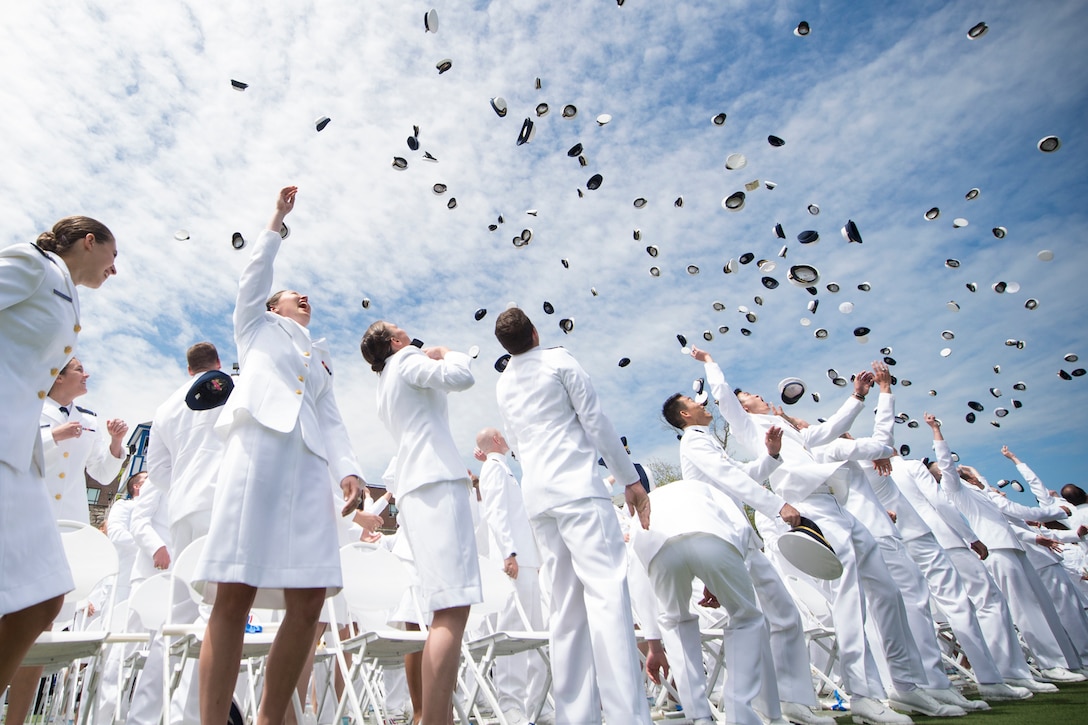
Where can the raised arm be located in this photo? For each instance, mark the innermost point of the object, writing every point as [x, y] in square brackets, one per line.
[723, 474]
[740, 422]
[840, 422]
[255, 284]
[1042, 495]
[439, 369]
[950, 477]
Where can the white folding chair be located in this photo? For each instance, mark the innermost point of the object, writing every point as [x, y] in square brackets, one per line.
[819, 631]
[480, 653]
[375, 581]
[92, 558]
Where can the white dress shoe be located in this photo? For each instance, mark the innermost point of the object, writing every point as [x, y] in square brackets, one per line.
[799, 714]
[952, 696]
[1032, 685]
[867, 711]
[1060, 674]
[1002, 691]
[918, 701]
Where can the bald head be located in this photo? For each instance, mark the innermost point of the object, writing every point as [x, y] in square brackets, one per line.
[1074, 494]
[490, 440]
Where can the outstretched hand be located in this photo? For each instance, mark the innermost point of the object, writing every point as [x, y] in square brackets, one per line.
[773, 440]
[882, 376]
[285, 202]
[701, 355]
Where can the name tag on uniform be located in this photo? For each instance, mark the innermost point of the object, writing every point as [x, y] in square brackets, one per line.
[60, 294]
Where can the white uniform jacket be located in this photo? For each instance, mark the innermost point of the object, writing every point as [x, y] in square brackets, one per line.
[504, 511]
[919, 487]
[39, 321]
[556, 427]
[66, 461]
[857, 453]
[908, 521]
[800, 474]
[702, 458]
[183, 455]
[412, 404]
[280, 365]
[984, 517]
[119, 531]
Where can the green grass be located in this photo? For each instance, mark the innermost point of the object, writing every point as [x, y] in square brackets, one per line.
[1069, 706]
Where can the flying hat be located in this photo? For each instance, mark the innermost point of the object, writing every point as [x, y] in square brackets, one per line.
[640, 202]
[182, 235]
[502, 362]
[209, 391]
[624, 362]
[575, 150]
[439, 189]
[655, 271]
[570, 110]
[1000, 232]
[679, 202]
[321, 123]
[541, 109]
[1045, 255]
[779, 231]
[604, 119]
[806, 548]
[977, 31]
[734, 202]
[366, 303]
[693, 269]
[480, 314]
[813, 209]
[746, 258]
[498, 104]
[809, 236]
[443, 65]
[952, 263]
[791, 390]
[1049, 144]
[718, 119]
[652, 250]
[932, 214]
[708, 335]
[548, 308]
[850, 232]
[527, 132]
[736, 161]
[566, 324]
[972, 194]
[959, 222]
[430, 21]
[400, 163]
[801, 31]
[594, 182]
[775, 141]
[237, 240]
[238, 85]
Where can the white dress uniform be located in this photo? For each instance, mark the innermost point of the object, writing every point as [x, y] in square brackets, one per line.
[66, 461]
[954, 535]
[554, 424]
[693, 534]
[39, 321]
[910, 583]
[702, 458]
[945, 585]
[520, 679]
[433, 490]
[273, 519]
[1029, 602]
[818, 490]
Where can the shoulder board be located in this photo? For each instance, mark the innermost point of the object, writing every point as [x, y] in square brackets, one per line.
[44, 253]
[85, 411]
[557, 347]
[45, 426]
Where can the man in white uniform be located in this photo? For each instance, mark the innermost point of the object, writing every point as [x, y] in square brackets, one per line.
[555, 426]
[1029, 603]
[74, 439]
[520, 679]
[703, 458]
[820, 489]
[183, 457]
[693, 534]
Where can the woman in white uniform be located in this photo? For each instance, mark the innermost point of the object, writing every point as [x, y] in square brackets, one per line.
[39, 322]
[273, 540]
[432, 493]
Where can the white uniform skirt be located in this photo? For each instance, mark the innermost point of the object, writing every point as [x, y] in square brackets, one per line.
[273, 521]
[33, 567]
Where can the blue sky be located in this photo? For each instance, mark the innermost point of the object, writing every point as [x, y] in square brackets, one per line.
[125, 111]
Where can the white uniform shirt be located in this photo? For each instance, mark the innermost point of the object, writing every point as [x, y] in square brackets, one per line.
[702, 458]
[118, 528]
[183, 454]
[908, 521]
[150, 526]
[504, 511]
[412, 404]
[920, 489]
[555, 425]
[66, 461]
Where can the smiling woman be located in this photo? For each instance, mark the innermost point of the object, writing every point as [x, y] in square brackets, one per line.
[39, 322]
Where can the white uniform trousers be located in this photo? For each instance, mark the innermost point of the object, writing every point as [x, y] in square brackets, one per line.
[1066, 601]
[520, 678]
[595, 663]
[147, 702]
[788, 647]
[746, 639]
[994, 615]
[864, 576]
[915, 592]
[1031, 608]
[949, 593]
